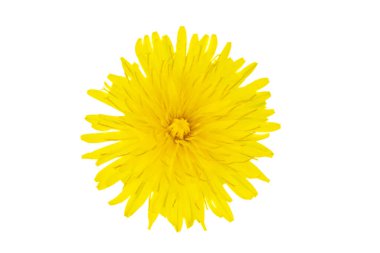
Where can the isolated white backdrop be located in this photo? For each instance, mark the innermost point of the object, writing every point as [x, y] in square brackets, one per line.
[322, 58]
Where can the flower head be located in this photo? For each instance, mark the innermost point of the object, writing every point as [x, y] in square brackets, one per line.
[186, 128]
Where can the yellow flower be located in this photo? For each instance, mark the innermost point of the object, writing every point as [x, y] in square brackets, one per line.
[187, 127]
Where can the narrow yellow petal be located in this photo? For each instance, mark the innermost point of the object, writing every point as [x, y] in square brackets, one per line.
[128, 190]
[107, 136]
[225, 52]
[152, 213]
[219, 208]
[180, 55]
[269, 127]
[256, 85]
[244, 189]
[249, 170]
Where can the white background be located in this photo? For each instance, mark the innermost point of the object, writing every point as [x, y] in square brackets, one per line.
[322, 58]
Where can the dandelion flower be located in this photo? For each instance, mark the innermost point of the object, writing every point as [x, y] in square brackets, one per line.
[187, 126]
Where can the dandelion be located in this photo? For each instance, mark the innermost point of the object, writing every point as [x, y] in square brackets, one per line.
[187, 127]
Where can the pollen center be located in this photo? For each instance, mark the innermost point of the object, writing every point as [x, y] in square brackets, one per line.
[179, 128]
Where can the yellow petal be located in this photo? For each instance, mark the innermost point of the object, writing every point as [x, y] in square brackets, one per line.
[107, 136]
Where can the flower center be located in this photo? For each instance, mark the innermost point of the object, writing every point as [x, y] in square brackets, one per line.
[179, 128]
